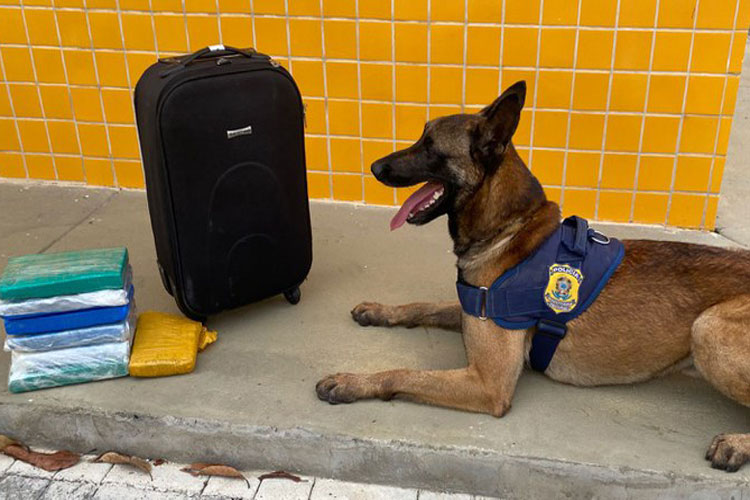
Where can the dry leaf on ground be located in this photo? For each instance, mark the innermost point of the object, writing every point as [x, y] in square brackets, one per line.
[48, 461]
[112, 457]
[201, 469]
[5, 441]
[280, 474]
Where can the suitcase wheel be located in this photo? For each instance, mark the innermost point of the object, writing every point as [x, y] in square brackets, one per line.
[293, 295]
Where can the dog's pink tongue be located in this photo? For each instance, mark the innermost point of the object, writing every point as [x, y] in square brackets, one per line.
[418, 197]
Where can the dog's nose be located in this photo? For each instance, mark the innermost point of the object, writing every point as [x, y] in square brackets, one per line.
[380, 169]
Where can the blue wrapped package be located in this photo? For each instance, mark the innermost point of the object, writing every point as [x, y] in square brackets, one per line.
[93, 335]
[38, 370]
[58, 322]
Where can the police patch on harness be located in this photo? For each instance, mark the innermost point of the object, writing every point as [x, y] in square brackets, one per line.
[561, 294]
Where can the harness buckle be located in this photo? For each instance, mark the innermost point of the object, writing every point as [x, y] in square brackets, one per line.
[483, 310]
[551, 329]
[598, 237]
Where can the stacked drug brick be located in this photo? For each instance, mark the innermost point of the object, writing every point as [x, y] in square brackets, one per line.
[69, 317]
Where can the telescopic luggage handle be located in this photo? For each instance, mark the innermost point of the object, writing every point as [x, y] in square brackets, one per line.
[206, 51]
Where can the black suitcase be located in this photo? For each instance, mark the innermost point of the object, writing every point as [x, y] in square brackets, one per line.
[222, 141]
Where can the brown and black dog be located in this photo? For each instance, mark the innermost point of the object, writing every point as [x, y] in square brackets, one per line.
[497, 215]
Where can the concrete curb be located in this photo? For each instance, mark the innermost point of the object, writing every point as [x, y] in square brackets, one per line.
[305, 451]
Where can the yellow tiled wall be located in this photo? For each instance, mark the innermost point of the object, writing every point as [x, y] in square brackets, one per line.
[628, 111]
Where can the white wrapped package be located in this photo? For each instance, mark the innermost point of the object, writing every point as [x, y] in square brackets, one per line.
[93, 335]
[37, 370]
[65, 303]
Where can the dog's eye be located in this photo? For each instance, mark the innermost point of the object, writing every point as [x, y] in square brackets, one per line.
[429, 146]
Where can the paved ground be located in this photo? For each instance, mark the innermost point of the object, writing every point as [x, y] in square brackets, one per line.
[87, 480]
[250, 401]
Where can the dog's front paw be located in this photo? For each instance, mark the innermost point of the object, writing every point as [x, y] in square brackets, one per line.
[729, 451]
[370, 314]
[339, 388]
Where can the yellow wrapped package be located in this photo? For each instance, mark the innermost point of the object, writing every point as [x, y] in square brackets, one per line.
[166, 344]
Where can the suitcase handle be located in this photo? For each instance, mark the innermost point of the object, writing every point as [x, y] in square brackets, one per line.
[206, 51]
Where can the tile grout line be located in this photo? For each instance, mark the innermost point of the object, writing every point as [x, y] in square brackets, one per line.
[606, 114]
[325, 99]
[522, 147]
[463, 56]
[107, 125]
[70, 97]
[185, 25]
[257, 489]
[408, 21]
[718, 125]
[678, 146]
[428, 99]
[109, 469]
[623, 71]
[43, 492]
[380, 139]
[536, 87]
[289, 35]
[252, 24]
[153, 31]
[500, 83]
[625, 190]
[393, 89]
[645, 115]
[312, 487]
[36, 83]
[218, 22]
[129, 81]
[359, 100]
[78, 184]
[380, 101]
[101, 481]
[570, 110]
[15, 119]
[205, 485]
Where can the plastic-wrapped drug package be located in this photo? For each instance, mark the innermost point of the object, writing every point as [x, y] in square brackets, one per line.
[58, 322]
[167, 345]
[30, 371]
[64, 273]
[65, 303]
[93, 335]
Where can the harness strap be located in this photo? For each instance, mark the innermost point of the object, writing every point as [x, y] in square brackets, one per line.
[574, 235]
[544, 343]
[473, 299]
[494, 303]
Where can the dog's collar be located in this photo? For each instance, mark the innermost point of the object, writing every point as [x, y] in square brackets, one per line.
[552, 286]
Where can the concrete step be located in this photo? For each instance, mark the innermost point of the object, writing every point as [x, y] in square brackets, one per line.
[250, 402]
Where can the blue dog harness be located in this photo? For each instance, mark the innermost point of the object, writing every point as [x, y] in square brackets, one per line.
[552, 286]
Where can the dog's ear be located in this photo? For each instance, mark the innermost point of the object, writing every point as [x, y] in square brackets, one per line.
[493, 134]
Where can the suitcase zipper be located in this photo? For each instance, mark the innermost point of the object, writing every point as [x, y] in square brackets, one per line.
[178, 66]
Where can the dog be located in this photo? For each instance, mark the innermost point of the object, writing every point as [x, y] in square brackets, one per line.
[498, 215]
